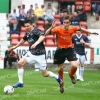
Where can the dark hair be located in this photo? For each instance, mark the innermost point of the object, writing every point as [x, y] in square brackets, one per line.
[14, 10]
[65, 10]
[28, 21]
[31, 5]
[19, 6]
[67, 18]
[49, 4]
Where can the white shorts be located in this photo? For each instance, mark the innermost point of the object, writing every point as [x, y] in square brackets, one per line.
[38, 60]
[81, 58]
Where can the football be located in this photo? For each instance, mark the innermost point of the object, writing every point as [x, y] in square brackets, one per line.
[8, 89]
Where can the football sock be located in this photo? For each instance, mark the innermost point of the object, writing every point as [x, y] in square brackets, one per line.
[61, 74]
[72, 72]
[20, 75]
[78, 72]
[51, 74]
[81, 71]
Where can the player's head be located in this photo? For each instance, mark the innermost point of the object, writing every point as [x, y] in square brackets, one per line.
[28, 25]
[78, 32]
[66, 22]
[65, 12]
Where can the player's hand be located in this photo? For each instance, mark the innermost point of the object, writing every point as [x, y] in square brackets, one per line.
[54, 23]
[95, 33]
[82, 41]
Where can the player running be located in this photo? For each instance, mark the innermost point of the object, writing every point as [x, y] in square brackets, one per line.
[65, 47]
[36, 53]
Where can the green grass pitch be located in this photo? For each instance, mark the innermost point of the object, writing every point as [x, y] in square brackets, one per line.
[37, 87]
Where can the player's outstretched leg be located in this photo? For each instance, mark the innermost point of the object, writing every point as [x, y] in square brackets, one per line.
[51, 74]
[61, 75]
[61, 84]
[18, 84]
[20, 77]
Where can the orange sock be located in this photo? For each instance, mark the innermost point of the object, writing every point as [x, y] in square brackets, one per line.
[72, 72]
[61, 74]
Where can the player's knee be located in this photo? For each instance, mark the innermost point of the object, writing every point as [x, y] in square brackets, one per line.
[19, 64]
[75, 65]
[45, 74]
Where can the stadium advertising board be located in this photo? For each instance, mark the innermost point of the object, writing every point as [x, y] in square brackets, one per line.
[97, 56]
[95, 39]
[49, 53]
[95, 43]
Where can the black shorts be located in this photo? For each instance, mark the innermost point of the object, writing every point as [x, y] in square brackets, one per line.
[64, 54]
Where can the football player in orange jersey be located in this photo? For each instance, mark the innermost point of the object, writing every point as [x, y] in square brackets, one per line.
[65, 47]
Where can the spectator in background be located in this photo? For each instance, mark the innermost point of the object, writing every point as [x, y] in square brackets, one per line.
[33, 18]
[22, 17]
[96, 8]
[48, 25]
[49, 12]
[30, 11]
[18, 12]
[13, 15]
[39, 12]
[10, 56]
[65, 13]
[75, 19]
[81, 13]
[15, 27]
[71, 9]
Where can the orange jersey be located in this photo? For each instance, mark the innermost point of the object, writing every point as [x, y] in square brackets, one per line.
[64, 36]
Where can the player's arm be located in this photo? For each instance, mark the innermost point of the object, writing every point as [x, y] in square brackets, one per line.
[86, 31]
[48, 32]
[85, 43]
[20, 43]
[41, 38]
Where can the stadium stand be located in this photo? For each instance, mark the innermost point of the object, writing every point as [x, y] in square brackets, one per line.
[14, 36]
[14, 41]
[40, 25]
[21, 35]
[50, 41]
[22, 29]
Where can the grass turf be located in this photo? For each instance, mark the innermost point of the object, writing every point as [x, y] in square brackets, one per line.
[37, 87]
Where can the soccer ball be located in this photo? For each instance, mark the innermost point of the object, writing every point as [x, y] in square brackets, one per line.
[8, 89]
